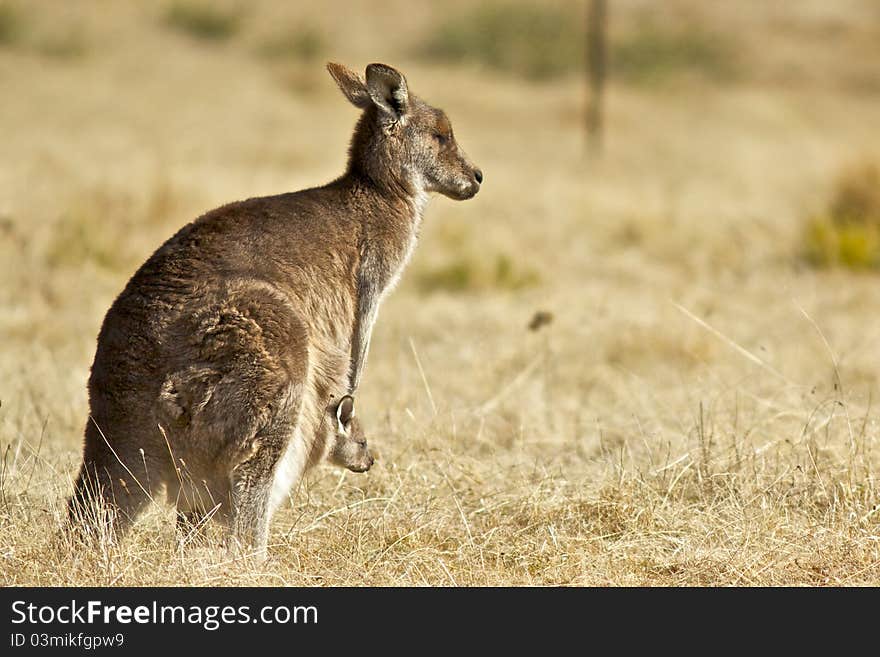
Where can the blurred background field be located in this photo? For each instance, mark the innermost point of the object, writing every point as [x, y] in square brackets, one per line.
[700, 406]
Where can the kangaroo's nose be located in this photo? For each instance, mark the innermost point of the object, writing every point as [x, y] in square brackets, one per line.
[478, 175]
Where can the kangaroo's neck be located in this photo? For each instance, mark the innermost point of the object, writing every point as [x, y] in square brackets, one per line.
[389, 214]
[389, 221]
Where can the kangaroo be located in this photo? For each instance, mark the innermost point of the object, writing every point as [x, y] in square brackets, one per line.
[216, 362]
[349, 447]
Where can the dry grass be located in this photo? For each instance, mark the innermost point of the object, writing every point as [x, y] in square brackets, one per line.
[699, 411]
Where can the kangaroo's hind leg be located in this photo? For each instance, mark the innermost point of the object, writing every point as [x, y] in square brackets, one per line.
[252, 484]
[256, 349]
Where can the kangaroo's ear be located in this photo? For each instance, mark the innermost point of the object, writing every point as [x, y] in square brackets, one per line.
[387, 87]
[351, 84]
[344, 412]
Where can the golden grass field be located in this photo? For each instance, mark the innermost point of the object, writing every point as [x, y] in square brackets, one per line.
[700, 411]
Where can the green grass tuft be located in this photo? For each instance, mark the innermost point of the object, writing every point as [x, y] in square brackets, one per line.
[848, 233]
[301, 44]
[203, 21]
[533, 41]
[541, 42]
[68, 45]
[10, 25]
[652, 53]
[469, 273]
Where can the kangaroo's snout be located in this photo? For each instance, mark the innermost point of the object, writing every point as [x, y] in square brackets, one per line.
[467, 182]
[468, 178]
[363, 464]
[470, 188]
[367, 464]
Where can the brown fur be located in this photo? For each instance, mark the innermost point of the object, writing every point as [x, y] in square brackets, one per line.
[216, 362]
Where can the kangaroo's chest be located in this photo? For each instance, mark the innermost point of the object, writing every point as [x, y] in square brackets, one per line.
[391, 259]
[399, 264]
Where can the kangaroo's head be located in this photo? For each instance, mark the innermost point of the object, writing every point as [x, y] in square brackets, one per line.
[349, 448]
[401, 142]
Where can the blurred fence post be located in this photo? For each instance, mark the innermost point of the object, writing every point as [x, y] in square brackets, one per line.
[597, 21]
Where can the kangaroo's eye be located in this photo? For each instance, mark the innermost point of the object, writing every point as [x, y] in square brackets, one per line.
[441, 138]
